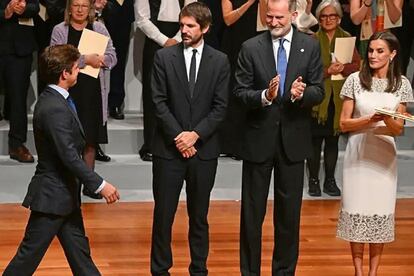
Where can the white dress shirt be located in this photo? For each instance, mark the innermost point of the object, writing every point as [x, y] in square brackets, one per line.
[188, 54]
[65, 94]
[169, 12]
[275, 42]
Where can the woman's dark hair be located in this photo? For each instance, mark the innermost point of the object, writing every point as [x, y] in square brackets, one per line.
[200, 12]
[56, 59]
[394, 70]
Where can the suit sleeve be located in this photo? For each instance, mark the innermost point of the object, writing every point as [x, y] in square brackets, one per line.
[168, 123]
[206, 127]
[244, 80]
[55, 8]
[60, 131]
[314, 91]
[32, 9]
[58, 36]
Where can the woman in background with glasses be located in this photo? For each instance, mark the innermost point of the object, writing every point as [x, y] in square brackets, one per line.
[325, 124]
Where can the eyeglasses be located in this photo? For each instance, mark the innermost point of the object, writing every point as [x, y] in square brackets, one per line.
[78, 6]
[328, 16]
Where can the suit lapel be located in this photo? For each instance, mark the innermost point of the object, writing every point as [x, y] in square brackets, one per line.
[267, 56]
[180, 70]
[295, 57]
[205, 65]
[64, 102]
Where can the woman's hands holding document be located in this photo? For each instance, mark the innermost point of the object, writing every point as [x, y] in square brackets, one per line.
[335, 68]
[95, 60]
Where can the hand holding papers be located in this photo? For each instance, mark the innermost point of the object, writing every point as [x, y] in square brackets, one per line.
[92, 43]
[396, 114]
[344, 50]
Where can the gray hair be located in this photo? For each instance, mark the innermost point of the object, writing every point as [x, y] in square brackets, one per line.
[325, 3]
[291, 4]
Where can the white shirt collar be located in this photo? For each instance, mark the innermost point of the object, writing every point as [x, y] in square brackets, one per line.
[189, 50]
[61, 90]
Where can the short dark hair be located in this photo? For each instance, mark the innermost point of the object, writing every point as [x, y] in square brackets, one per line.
[56, 59]
[394, 69]
[200, 12]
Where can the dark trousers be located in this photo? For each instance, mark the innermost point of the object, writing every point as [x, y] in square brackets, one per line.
[118, 23]
[15, 71]
[330, 156]
[40, 231]
[288, 189]
[168, 177]
[150, 47]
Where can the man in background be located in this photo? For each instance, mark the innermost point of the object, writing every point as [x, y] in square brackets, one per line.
[190, 83]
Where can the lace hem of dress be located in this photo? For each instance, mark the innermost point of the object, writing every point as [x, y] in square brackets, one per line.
[366, 229]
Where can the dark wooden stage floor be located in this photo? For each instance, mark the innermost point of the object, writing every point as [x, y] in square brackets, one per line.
[120, 240]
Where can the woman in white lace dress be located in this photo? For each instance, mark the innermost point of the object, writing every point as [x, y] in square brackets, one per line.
[370, 163]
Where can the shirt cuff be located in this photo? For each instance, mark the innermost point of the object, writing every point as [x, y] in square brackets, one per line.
[265, 102]
[100, 188]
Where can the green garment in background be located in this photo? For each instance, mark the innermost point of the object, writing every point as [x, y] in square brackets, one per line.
[320, 112]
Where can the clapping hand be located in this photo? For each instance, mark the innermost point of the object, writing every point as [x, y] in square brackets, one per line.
[271, 92]
[297, 89]
[20, 7]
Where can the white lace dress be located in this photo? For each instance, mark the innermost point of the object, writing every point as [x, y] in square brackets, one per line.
[370, 167]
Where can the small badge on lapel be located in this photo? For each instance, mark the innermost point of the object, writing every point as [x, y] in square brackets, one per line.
[302, 50]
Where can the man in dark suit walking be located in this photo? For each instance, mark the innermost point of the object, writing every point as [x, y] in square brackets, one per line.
[190, 83]
[279, 79]
[54, 192]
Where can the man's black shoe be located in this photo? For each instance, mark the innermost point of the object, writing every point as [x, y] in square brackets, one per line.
[314, 188]
[116, 113]
[90, 194]
[101, 156]
[330, 187]
[146, 156]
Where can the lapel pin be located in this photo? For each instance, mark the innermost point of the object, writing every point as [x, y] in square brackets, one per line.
[302, 50]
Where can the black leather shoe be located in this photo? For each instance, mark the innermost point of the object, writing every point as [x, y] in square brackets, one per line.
[314, 188]
[116, 113]
[146, 156]
[330, 187]
[101, 156]
[90, 194]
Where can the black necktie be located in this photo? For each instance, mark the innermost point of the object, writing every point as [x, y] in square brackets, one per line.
[71, 103]
[192, 78]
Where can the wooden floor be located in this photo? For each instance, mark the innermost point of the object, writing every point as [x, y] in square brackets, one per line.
[120, 240]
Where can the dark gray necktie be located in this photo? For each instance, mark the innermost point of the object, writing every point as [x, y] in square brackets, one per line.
[192, 77]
